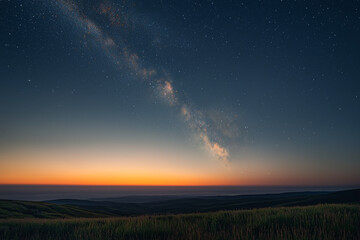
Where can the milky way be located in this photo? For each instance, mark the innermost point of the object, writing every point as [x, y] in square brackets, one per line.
[158, 80]
[180, 92]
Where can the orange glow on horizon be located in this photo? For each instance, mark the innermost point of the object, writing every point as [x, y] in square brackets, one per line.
[156, 168]
[114, 169]
[132, 179]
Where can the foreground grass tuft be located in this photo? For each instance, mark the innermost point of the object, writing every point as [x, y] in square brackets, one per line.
[313, 222]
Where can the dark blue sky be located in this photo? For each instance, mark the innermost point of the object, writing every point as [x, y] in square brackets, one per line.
[270, 76]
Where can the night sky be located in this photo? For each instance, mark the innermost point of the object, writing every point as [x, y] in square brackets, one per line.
[180, 92]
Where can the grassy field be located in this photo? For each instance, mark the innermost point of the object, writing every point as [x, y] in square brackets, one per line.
[333, 221]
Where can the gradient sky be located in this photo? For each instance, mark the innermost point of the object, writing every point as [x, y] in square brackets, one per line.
[132, 92]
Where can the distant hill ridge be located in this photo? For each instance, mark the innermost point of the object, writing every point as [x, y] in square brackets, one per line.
[68, 208]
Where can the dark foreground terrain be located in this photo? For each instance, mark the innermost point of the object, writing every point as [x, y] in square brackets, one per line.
[118, 207]
[150, 205]
[305, 215]
[331, 221]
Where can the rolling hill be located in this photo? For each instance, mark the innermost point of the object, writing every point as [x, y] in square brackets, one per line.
[68, 208]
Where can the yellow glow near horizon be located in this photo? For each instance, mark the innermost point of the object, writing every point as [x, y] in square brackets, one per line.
[105, 168]
[152, 166]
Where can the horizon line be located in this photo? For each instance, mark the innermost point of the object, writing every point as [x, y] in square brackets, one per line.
[158, 185]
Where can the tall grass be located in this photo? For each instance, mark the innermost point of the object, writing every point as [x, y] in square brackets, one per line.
[313, 222]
